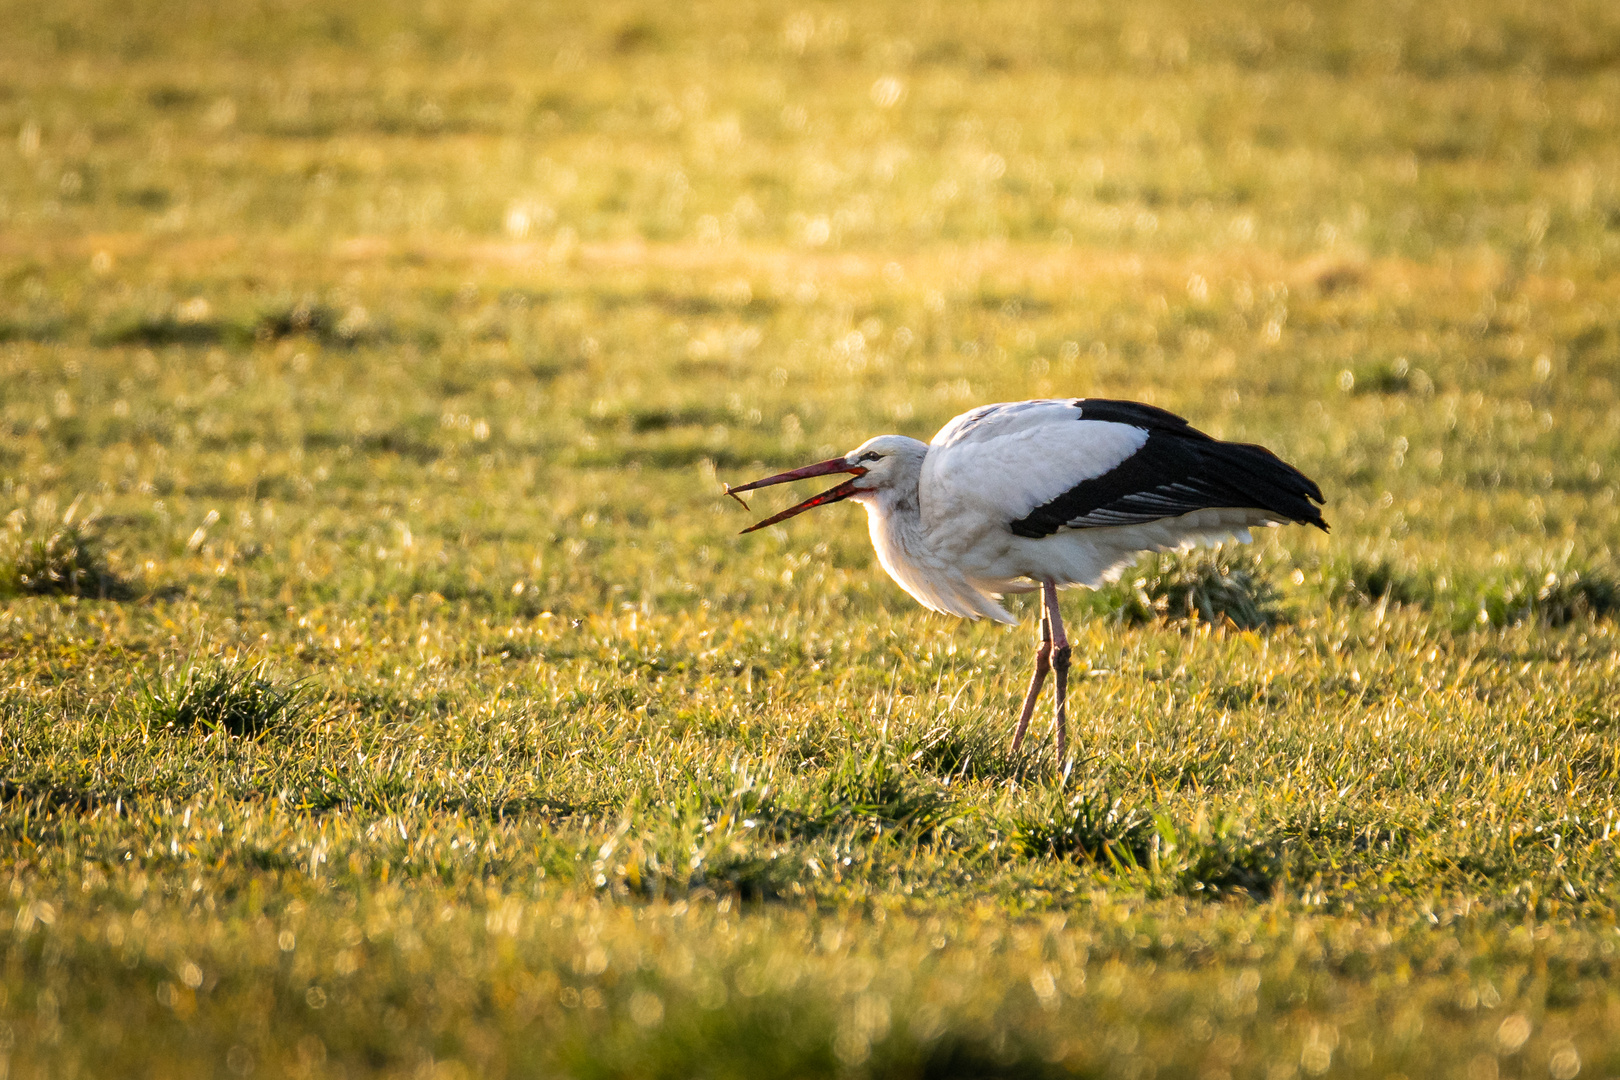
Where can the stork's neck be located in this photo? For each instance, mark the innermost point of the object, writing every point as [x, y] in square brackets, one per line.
[894, 516]
[910, 546]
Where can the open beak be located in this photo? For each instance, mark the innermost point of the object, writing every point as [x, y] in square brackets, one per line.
[820, 468]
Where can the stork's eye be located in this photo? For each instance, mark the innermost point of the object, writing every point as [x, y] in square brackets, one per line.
[870, 455]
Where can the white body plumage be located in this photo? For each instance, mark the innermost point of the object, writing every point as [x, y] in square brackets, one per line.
[941, 529]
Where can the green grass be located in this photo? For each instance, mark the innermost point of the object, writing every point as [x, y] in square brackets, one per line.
[1227, 585]
[224, 699]
[385, 691]
[62, 559]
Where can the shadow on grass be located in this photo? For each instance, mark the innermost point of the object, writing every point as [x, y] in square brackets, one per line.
[778, 1035]
[302, 318]
[47, 797]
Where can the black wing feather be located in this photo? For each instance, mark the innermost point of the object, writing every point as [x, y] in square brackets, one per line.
[1178, 469]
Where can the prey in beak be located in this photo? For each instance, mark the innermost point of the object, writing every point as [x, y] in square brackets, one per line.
[820, 468]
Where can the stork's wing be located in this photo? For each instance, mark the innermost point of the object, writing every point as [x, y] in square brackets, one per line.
[1040, 466]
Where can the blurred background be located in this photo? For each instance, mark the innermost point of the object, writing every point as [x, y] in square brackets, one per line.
[255, 250]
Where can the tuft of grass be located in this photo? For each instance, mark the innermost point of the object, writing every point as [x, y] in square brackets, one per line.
[311, 318]
[971, 751]
[1209, 856]
[1546, 591]
[1095, 826]
[1215, 586]
[1217, 857]
[750, 875]
[1556, 598]
[1371, 581]
[232, 697]
[873, 791]
[63, 559]
[1391, 377]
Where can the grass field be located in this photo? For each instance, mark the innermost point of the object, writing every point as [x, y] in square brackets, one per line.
[385, 691]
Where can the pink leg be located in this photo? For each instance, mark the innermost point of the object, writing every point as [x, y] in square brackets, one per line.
[1060, 668]
[1043, 658]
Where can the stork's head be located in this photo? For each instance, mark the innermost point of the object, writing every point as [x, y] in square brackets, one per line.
[887, 463]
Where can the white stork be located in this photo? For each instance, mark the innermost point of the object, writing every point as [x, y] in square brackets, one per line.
[1048, 494]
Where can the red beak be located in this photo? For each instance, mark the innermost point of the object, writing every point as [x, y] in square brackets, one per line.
[820, 468]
